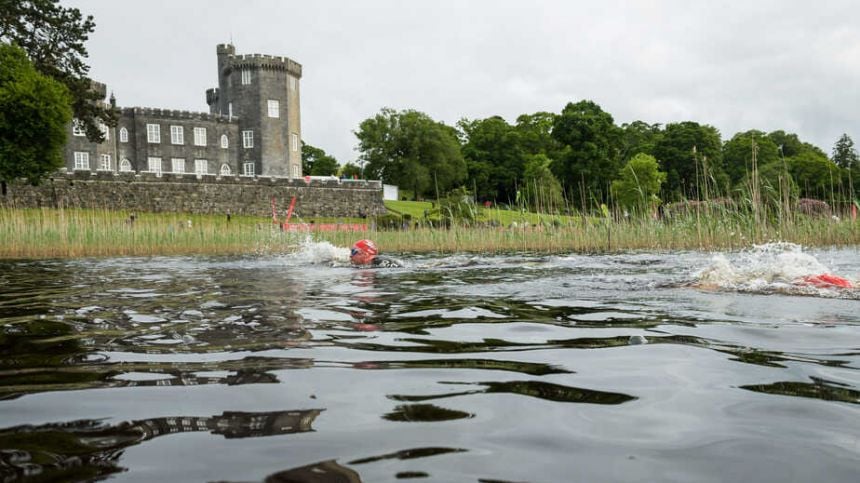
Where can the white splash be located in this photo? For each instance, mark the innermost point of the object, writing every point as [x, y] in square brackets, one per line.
[773, 266]
[320, 253]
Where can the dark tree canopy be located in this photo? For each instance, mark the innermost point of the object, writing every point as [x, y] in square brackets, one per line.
[590, 157]
[53, 38]
[691, 155]
[844, 154]
[738, 153]
[494, 157]
[410, 149]
[316, 162]
[34, 111]
[639, 137]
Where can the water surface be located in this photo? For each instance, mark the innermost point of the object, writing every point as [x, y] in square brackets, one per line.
[629, 367]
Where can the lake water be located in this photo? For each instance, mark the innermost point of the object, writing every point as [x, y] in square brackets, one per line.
[687, 367]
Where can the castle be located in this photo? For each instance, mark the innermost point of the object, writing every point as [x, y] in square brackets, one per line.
[253, 127]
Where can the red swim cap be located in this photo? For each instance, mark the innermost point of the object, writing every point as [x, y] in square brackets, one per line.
[363, 252]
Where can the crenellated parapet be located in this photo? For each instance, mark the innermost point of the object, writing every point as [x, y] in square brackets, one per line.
[262, 61]
[177, 114]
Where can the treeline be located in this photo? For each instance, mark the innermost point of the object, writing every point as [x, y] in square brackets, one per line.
[581, 158]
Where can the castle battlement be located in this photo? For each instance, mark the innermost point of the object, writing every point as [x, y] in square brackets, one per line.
[177, 114]
[262, 61]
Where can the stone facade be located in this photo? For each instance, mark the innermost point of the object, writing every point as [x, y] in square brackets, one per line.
[253, 127]
[199, 194]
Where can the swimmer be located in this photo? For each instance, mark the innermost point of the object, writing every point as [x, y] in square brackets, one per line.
[364, 253]
[825, 280]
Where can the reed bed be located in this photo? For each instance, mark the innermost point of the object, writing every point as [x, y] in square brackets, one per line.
[68, 233]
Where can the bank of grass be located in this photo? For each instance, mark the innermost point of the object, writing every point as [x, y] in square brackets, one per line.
[65, 233]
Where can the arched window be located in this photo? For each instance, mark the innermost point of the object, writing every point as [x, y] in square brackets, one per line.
[123, 135]
[125, 165]
[224, 142]
[225, 170]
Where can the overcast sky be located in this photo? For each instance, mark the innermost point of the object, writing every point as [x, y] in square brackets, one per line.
[736, 65]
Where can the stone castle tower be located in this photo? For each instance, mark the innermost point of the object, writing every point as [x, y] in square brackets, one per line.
[262, 91]
[253, 127]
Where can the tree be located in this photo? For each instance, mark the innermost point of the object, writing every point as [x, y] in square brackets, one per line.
[691, 155]
[639, 183]
[34, 111]
[590, 157]
[844, 154]
[542, 191]
[410, 149]
[535, 132]
[639, 137]
[316, 162]
[494, 157]
[816, 175]
[788, 143]
[53, 38]
[350, 170]
[738, 153]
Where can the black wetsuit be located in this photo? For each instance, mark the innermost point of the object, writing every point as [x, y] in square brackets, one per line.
[385, 262]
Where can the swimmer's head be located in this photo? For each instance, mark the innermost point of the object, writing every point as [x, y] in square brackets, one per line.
[363, 252]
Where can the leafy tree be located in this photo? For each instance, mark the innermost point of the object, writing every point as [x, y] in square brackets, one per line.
[639, 183]
[410, 149]
[590, 157]
[816, 175]
[788, 143]
[690, 153]
[542, 190]
[844, 154]
[350, 170]
[34, 111]
[535, 132]
[53, 38]
[494, 157]
[316, 162]
[738, 152]
[639, 137]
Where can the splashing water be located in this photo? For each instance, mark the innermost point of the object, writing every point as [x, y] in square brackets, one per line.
[770, 267]
[320, 253]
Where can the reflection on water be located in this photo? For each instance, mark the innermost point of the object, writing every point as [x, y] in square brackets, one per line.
[665, 367]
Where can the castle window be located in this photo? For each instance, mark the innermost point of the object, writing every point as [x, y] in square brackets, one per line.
[104, 164]
[225, 170]
[296, 172]
[123, 135]
[177, 165]
[82, 160]
[177, 135]
[153, 133]
[247, 139]
[230, 110]
[248, 169]
[274, 108]
[125, 165]
[246, 77]
[294, 141]
[154, 164]
[78, 128]
[225, 143]
[200, 136]
[201, 166]
[292, 82]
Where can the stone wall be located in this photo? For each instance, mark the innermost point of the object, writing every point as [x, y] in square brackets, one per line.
[189, 193]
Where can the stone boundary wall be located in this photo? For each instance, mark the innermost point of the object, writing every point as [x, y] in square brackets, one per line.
[189, 193]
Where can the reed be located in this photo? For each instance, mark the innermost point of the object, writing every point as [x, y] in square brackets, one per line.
[69, 233]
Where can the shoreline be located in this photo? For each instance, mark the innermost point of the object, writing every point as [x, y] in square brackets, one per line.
[68, 234]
